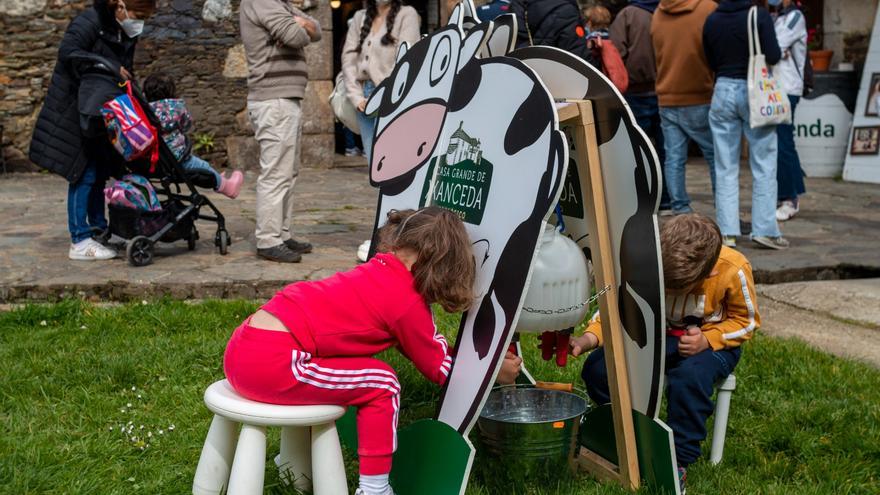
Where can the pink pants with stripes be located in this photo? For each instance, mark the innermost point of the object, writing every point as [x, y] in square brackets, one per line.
[268, 366]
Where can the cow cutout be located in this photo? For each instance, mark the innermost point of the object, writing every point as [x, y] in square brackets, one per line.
[632, 181]
[496, 158]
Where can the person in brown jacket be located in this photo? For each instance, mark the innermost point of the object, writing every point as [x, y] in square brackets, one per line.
[631, 34]
[684, 90]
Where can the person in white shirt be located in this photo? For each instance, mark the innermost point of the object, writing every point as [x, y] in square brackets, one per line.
[791, 32]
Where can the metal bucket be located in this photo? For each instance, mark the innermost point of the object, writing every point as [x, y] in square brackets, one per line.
[531, 429]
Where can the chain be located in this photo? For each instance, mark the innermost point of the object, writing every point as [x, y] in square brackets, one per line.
[569, 309]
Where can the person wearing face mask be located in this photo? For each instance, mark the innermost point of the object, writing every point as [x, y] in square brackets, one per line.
[69, 139]
[369, 53]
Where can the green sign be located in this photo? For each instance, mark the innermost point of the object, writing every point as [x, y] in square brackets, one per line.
[570, 200]
[463, 179]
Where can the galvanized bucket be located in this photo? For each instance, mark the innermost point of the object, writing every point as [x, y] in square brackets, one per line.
[531, 429]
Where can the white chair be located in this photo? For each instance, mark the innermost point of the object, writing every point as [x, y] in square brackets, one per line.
[722, 410]
[310, 451]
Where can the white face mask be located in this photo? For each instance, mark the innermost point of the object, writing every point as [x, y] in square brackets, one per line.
[132, 27]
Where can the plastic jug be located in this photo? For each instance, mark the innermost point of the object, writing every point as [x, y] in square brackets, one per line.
[560, 281]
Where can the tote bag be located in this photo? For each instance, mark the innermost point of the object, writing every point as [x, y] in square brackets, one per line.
[768, 103]
[343, 109]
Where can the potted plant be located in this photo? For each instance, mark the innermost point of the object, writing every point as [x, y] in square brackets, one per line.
[821, 59]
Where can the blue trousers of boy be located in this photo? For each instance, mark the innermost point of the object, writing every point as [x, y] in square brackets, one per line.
[690, 383]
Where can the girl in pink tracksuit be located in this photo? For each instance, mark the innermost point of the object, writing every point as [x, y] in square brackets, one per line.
[313, 342]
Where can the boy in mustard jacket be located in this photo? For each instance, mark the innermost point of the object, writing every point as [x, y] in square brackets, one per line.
[710, 311]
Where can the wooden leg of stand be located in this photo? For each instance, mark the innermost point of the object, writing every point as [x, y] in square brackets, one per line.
[593, 189]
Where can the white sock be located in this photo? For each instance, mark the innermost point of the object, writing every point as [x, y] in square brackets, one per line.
[375, 485]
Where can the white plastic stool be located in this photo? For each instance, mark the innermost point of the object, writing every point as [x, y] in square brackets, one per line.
[722, 409]
[310, 450]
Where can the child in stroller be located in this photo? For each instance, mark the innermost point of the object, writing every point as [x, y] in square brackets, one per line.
[176, 121]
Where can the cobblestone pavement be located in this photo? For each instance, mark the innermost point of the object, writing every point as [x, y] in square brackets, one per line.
[835, 236]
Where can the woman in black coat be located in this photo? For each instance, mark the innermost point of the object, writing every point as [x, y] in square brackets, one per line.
[69, 139]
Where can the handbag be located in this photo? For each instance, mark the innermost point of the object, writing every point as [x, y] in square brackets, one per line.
[343, 108]
[768, 104]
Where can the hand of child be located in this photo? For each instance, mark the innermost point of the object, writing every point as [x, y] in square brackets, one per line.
[126, 76]
[585, 342]
[362, 106]
[692, 342]
[510, 369]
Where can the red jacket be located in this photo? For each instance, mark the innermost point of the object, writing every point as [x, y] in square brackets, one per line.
[362, 312]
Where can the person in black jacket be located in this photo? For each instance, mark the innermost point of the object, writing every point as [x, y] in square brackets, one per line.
[553, 23]
[69, 139]
[726, 43]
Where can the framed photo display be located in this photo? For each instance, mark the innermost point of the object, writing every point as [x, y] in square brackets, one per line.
[872, 105]
[865, 141]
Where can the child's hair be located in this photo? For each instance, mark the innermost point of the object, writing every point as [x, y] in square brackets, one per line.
[159, 86]
[690, 245]
[598, 17]
[444, 270]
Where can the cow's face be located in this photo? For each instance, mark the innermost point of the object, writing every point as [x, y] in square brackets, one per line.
[410, 105]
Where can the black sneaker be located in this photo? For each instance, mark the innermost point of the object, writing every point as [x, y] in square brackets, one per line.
[279, 253]
[298, 247]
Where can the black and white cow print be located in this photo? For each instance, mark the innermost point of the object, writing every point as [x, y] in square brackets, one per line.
[440, 90]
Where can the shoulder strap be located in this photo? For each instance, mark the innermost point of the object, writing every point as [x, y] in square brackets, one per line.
[754, 39]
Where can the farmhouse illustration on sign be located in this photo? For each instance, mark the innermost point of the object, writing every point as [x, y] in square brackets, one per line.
[446, 136]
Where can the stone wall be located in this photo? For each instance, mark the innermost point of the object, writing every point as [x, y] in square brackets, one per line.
[196, 41]
[843, 18]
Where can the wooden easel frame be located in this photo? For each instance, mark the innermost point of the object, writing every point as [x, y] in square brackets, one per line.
[578, 114]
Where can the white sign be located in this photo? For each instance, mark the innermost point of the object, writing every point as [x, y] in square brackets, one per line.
[821, 132]
[863, 150]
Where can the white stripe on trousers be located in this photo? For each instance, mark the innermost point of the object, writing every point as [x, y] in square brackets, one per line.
[304, 372]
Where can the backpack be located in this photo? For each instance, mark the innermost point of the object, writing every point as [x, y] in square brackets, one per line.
[612, 63]
[129, 129]
[133, 192]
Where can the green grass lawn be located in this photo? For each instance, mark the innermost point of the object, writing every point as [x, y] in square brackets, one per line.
[802, 422]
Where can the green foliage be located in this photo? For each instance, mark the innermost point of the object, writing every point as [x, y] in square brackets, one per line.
[204, 142]
[801, 421]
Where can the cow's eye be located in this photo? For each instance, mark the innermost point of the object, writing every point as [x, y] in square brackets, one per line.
[441, 60]
[399, 88]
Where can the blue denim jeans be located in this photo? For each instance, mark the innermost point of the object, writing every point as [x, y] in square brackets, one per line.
[647, 114]
[367, 124]
[680, 125]
[194, 163]
[85, 204]
[789, 175]
[729, 120]
[350, 140]
[690, 382]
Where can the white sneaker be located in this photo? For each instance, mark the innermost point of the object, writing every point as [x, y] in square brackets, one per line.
[90, 250]
[363, 251]
[787, 210]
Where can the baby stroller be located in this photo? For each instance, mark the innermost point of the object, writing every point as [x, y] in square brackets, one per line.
[181, 203]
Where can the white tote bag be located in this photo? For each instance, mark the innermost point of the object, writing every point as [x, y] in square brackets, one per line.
[768, 103]
[343, 108]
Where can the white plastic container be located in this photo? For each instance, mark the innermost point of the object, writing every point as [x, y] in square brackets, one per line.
[559, 281]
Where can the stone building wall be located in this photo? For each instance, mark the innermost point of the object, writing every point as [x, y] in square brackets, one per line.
[196, 41]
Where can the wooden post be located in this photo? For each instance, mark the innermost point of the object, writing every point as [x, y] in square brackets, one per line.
[579, 115]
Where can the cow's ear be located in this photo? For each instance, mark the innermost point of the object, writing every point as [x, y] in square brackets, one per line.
[502, 38]
[374, 101]
[472, 44]
[456, 16]
[401, 51]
